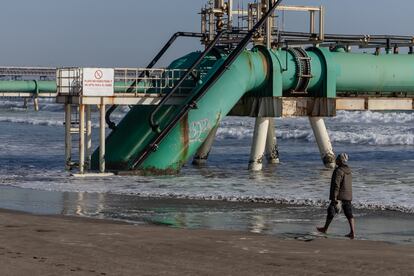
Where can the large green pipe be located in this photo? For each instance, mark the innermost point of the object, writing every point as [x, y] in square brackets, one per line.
[374, 73]
[31, 86]
[251, 73]
[133, 132]
[260, 72]
[28, 86]
[359, 73]
[354, 72]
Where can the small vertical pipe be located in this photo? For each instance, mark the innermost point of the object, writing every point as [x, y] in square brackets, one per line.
[218, 4]
[312, 22]
[268, 25]
[250, 17]
[259, 143]
[203, 22]
[211, 28]
[321, 23]
[88, 136]
[201, 156]
[81, 138]
[272, 151]
[68, 137]
[102, 137]
[323, 141]
[230, 15]
[388, 47]
[396, 50]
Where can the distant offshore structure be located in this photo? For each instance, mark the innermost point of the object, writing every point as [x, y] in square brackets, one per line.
[251, 66]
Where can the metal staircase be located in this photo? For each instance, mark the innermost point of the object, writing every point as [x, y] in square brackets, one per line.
[191, 102]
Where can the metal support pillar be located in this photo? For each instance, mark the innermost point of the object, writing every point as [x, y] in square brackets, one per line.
[323, 141]
[81, 138]
[272, 151]
[201, 156]
[88, 136]
[259, 143]
[36, 103]
[68, 137]
[102, 137]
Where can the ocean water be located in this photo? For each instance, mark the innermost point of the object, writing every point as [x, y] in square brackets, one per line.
[380, 146]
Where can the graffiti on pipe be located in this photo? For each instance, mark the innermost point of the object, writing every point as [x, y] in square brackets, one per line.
[198, 129]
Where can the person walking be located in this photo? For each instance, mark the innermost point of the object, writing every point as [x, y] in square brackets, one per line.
[340, 195]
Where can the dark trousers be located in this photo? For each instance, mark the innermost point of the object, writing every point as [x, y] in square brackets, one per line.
[346, 207]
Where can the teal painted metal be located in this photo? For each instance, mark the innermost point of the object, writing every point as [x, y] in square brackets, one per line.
[322, 62]
[371, 73]
[357, 73]
[28, 86]
[248, 73]
[258, 72]
[32, 86]
[332, 71]
[134, 131]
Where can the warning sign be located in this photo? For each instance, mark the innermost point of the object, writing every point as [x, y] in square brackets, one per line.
[98, 82]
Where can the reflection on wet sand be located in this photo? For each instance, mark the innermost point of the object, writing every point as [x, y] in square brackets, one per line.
[273, 219]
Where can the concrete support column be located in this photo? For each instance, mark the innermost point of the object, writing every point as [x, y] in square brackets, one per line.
[102, 135]
[68, 137]
[259, 142]
[201, 156]
[36, 103]
[88, 136]
[323, 141]
[81, 138]
[272, 151]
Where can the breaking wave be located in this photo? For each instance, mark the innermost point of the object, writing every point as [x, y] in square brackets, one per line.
[365, 128]
[368, 117]
[33, 121]
[44, 105]
[348, 127]
[365, 137]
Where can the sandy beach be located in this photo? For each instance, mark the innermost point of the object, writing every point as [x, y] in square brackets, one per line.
[61, 245]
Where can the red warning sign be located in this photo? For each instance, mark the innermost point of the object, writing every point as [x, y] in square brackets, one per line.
[98, 74]
[98, 82]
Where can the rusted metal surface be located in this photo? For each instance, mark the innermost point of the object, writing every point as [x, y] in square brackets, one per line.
[185, 137]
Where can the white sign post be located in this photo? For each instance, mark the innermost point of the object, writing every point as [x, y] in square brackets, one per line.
[98, 82]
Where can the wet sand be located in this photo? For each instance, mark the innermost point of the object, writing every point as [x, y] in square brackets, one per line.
[61, 245]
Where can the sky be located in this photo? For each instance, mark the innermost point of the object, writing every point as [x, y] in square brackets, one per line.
[128, 33]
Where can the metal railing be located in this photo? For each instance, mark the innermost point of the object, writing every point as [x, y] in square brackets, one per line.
[150, 80]
[128, 81]
[154, 61]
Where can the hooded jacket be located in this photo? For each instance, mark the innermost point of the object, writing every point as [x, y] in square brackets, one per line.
[341, 183]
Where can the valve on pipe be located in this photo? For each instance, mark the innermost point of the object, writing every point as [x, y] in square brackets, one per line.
[219, 10]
